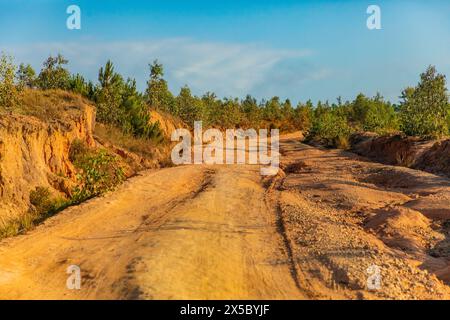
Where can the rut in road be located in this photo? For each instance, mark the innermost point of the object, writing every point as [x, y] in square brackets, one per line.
[191, 232]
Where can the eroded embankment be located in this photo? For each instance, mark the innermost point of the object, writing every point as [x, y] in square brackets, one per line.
[415, 153]
[37, 144]
[34, 153]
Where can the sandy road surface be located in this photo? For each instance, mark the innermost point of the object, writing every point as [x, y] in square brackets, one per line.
[192, 232]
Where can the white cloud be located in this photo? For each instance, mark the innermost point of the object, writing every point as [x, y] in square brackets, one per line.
[229, 69]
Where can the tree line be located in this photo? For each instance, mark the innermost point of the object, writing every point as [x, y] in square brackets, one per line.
[423, 110]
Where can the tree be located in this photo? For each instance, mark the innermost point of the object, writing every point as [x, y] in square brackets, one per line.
[189, 108]
[158, 94]
[230, 115]
[272, 112]
[304, 115]
[359, 108]
[109, 95]
[287, 110]
[424, 109]
[287, 116]
[26, 76]
[10, 94]
[54, 75]
[136, 119]
[372, 114]
[251, 111]
[78, 84]
[211, 109]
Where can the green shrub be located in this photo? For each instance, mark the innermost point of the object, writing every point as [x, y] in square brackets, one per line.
[99, 172]
[54, 75]
[79, 85]
[373, 114]
[331, 129]
[10, 93]
[381, 118]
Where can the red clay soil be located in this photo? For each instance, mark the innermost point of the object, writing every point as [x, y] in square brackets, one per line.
[412, 152]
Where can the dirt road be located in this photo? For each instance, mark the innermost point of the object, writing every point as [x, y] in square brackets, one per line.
[222, 232]
[193, 232]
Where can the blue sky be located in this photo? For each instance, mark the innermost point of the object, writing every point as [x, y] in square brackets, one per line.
[292, 49]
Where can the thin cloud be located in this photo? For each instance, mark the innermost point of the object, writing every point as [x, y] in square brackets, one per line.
[229, 69]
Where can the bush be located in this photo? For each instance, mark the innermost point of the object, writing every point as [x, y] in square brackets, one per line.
[15, 226]
[99, 172]
[77, 150]
[373, 114]
[381, 118]
[10, 93]
[40, 199]
[44, 206]
[331, 129]
[53, 74]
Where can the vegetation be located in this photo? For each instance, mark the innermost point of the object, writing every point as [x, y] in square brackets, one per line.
[10, 92]
[331, 128]
[78, 84]
[373, 114]
[424, 110]
[26, 76]
[44, 205]
[99, 171]
[123, 114]
[120, 104]
[49, 105]
[54, 75]
[141, 146]
[157, 93]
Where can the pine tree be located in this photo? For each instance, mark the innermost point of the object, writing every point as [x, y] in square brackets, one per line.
[158, 94]
[109, 95]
